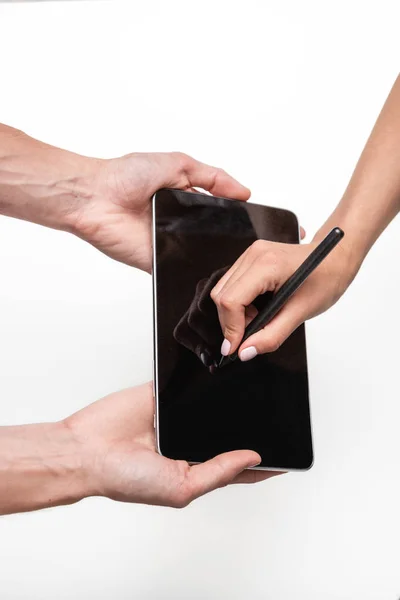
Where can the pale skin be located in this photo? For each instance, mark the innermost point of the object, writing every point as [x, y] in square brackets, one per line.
[370, 202]
[108, 448]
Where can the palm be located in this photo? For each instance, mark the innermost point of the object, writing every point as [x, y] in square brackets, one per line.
[119, 436]
[119, 430]
[119, 222]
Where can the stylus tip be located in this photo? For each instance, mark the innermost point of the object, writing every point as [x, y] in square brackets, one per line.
[224, 360]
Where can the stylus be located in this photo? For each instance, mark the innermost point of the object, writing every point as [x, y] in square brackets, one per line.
[288, 289]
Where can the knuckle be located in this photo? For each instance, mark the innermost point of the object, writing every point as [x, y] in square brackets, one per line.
[259, 246]
[182, 159]
[227, 302]
[215, 174]
[269, 258]
[273, 344]
[214, 295]
[265, 253]
[272, 269]
[230, 331]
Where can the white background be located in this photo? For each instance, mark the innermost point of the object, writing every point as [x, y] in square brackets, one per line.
[283, 95]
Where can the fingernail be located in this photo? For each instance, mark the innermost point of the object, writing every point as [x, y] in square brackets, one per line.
[225, 348]
[255, 465]
[248, 353]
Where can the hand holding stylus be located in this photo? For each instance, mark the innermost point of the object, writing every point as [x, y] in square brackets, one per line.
[371, 199]
[272, 267]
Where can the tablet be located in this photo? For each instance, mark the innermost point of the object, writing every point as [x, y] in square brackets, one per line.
[201, 411]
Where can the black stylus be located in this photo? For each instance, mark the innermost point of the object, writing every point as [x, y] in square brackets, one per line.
[288, 289]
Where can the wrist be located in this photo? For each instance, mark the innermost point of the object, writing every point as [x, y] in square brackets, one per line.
[77, 192]
[41, 183]
[351, 250]
[72, 478]
[40, 466]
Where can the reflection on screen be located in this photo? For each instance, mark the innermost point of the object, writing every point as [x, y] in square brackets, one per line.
[202, 411]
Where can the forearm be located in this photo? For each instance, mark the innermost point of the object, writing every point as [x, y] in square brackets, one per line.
[40, 466]
[372, 198]
[41, 183]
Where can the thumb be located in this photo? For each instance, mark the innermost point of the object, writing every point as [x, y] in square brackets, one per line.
[220, 471]
[272, 336]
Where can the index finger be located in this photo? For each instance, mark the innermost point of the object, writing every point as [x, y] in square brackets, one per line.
[184, 172]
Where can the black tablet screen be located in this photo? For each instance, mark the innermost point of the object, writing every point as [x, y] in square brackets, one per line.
[261, 404]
